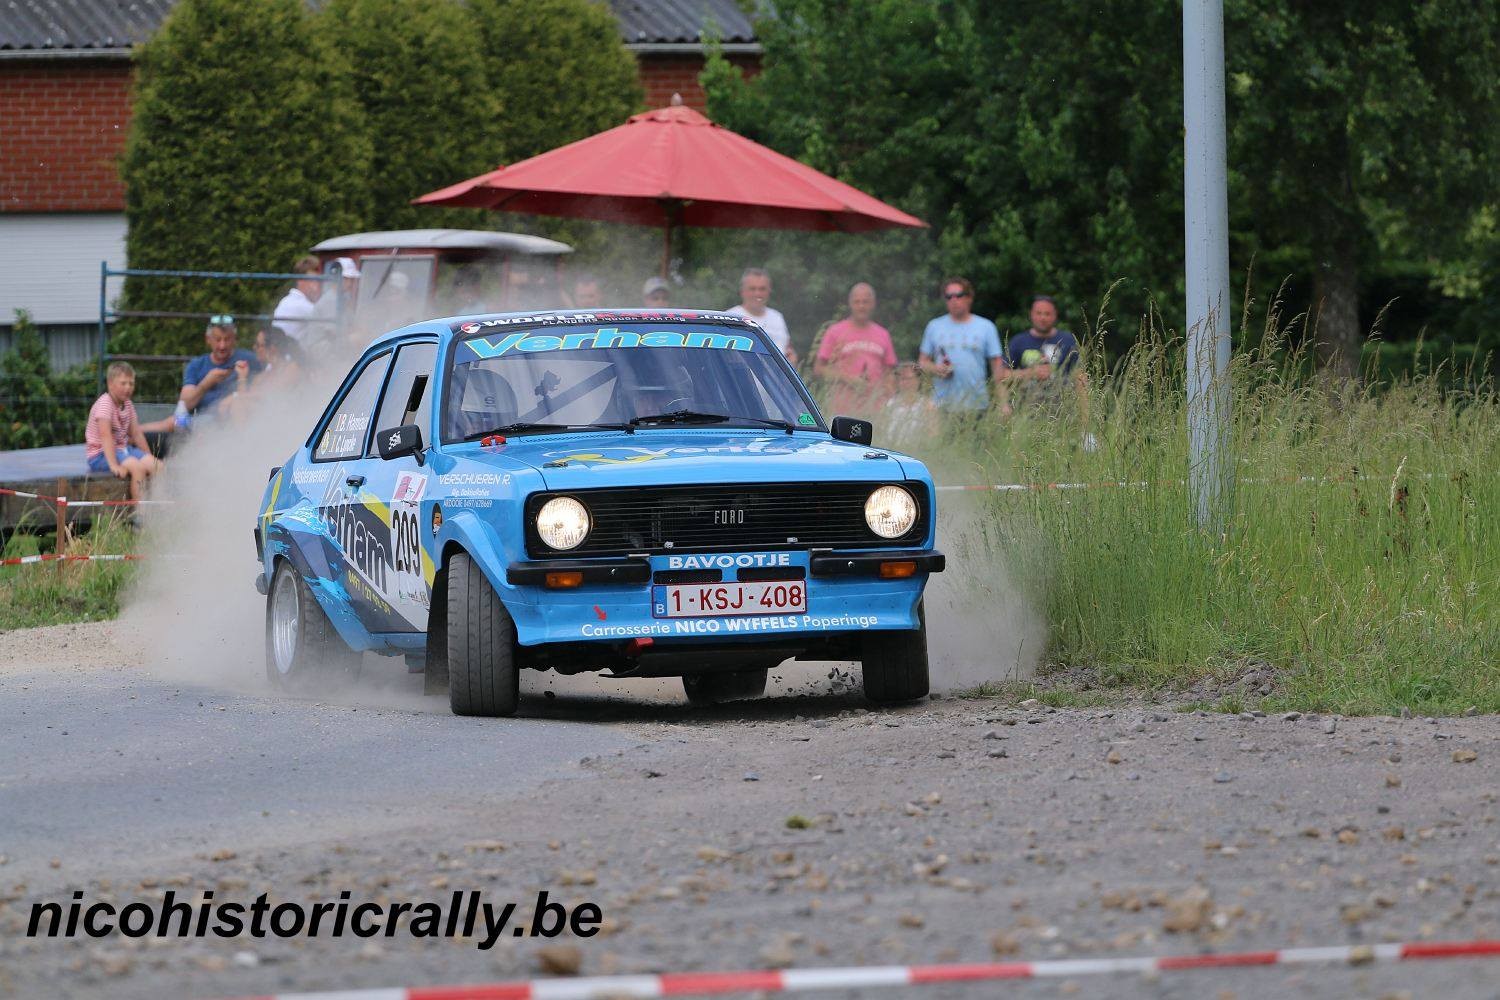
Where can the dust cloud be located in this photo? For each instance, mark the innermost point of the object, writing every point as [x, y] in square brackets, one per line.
[194, 603]
[980, 628]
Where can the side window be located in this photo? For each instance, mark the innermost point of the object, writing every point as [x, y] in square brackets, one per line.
[349, 424]
[411, 373]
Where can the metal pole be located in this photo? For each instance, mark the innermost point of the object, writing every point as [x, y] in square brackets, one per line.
[1206, 212]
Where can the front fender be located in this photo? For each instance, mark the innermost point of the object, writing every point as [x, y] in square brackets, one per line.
[468, 531]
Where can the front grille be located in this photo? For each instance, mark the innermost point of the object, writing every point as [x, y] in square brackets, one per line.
[727, 518]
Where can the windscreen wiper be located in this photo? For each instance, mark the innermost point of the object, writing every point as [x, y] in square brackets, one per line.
[696, 417]
[679, 417]
[529, 427]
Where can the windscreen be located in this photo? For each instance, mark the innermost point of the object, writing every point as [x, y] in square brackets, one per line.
[613, 374]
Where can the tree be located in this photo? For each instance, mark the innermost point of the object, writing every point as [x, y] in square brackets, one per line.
[1044, 142]
[419, 72]
[1012, 140]
[246, 147]
[37, 407]
[1363, 130]
[560, 69]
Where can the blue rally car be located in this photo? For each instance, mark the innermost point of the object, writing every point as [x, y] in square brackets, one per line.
[649, 493]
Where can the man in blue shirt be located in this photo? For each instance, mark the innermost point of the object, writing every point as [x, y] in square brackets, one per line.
[210, 378]
[1041, 361]
[955, 351]
[1043, 350]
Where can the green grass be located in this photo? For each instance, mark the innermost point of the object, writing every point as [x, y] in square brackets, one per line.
[46, 595]
[1372, 584]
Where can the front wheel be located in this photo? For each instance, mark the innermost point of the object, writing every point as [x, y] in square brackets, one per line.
[482, 675]
[710, 689]
[895, 664]
[301, 644]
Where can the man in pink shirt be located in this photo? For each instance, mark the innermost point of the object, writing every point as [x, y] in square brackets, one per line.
[114, 440]
[856, 357]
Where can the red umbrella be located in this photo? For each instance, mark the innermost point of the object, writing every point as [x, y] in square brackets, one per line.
[674, 167]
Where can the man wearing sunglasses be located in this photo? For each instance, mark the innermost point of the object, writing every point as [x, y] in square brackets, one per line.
[955, 350]
[210, 378]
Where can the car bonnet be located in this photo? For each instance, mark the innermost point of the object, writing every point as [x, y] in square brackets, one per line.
[657, 456]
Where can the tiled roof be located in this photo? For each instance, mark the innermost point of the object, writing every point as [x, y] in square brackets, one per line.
[654, 22]
[111, 26]
[79, 25]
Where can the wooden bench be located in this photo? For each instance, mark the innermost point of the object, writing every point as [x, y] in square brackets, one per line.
[57, 471]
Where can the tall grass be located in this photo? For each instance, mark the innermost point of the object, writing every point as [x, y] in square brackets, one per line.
[1359, 556]
[82, 591]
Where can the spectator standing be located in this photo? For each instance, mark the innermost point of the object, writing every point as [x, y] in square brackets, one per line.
[114, 440]
[324, 321]
[1043, 350]
[955, 349]
[297, 308]
[856, 356]
[1040, 360]
[755, 293]
[209, 380]
[656, 293]
[586, 292]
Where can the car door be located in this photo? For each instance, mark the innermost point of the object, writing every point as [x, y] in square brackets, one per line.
[353, 537]
[399, 490]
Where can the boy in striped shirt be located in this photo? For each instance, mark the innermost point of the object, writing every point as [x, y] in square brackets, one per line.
[114, 440]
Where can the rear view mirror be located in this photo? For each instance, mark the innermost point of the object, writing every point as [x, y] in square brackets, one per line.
[852, 429]
[394, 442]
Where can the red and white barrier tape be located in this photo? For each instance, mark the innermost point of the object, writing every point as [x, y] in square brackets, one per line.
[54, 557]
[1126, 484]
[677, 984]
[79, 503]
[1031, 487]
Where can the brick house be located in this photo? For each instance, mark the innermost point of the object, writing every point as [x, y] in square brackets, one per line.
[65, 79]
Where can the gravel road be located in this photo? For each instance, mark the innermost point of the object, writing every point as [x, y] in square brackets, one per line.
[796, 830]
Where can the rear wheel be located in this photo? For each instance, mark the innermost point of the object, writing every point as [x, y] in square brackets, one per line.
[302, 646]
[895, 664]
[482, 675]
[710, 689]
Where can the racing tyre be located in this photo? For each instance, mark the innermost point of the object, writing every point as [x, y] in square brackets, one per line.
[301, 644]
[435, 671]
[895, 664]
[482, 674]
[710, 689]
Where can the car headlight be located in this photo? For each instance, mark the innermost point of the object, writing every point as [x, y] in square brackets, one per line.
[890, 512]
[563, 523]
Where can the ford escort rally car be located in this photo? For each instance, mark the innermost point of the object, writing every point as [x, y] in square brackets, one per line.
[652, 494]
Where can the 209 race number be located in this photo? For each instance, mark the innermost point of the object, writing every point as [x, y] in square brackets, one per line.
[407, 539]
[728, 599]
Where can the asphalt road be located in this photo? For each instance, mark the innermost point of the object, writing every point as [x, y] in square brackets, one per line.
[106, 766]
[796, 830]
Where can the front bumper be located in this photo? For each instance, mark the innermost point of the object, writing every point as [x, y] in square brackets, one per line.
[829, 563]
[847, 594]
[637, 569]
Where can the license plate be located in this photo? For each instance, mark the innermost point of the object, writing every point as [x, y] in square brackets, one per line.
[697, 600]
